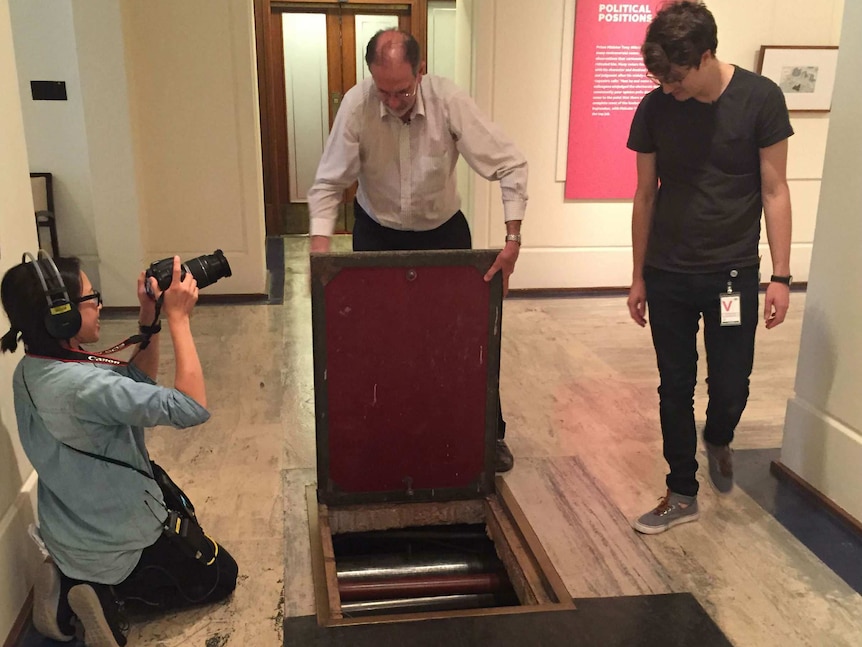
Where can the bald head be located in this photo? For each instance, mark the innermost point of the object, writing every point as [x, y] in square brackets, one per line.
[392, 47]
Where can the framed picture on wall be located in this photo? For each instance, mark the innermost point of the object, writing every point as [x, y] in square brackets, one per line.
[805, 74]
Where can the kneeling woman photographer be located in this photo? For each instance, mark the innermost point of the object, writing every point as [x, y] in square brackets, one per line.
[104, 520]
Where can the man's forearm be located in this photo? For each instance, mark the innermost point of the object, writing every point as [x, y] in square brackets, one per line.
[641, 220]
[777, 212]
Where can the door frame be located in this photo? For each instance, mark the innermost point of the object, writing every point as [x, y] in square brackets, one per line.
[270, 63]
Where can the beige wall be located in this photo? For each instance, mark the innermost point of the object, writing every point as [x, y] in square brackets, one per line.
[823, 427]
[157, 150]
[523, 66]
[17, 492]
[196, 130]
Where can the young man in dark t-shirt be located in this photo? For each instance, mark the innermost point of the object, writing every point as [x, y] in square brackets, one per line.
[711, 144]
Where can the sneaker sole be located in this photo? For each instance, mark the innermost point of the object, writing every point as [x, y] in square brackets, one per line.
[45, 606]
[655, 530]
[86, 605]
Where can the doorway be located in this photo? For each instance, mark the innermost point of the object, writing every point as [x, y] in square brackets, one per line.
[309, 54]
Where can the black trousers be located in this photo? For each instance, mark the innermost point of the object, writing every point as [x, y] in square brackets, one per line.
[168, 578]
[371, 236]
[676, 302]
[165, 579]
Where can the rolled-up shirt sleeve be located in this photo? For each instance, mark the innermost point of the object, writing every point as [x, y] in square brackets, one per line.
[110, 398]
[490, 153]
[338, 167]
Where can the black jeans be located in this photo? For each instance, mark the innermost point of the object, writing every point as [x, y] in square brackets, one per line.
[371, 236]
[676, 302]
[167, 578]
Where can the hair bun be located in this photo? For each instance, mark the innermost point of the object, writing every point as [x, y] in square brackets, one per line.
[9, 341]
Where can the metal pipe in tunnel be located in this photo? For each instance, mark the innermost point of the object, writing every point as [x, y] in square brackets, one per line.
[416, 605]
[412, 587]
[400, 566]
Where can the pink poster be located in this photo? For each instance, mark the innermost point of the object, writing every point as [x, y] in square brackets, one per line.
[608, 82]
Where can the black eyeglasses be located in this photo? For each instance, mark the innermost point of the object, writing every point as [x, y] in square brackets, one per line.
[95, 295]
[671, 80]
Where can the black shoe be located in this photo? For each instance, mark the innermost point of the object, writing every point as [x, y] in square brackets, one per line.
[101, 614]
[503, 461]
[52, 615]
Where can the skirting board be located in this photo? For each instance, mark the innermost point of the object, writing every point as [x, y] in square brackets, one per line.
[824, 453]
[18, 560]
[784, 473]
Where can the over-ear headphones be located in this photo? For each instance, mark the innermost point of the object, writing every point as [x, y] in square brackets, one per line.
[63, 321]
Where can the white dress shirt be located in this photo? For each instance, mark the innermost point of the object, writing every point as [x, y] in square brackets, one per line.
[406, 171]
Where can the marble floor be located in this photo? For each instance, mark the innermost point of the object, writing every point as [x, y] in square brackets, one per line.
[578, 385]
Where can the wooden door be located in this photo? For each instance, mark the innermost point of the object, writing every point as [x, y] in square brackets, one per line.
[286, 213]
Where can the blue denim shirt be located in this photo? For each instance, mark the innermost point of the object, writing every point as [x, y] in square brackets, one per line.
[95, 517]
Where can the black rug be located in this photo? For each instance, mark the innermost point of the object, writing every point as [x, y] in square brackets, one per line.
[673, 620]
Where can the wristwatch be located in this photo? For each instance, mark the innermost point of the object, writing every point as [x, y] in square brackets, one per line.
[513, 238]
[787, 280]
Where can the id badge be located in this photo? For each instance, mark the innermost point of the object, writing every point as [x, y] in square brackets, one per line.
[731, 309]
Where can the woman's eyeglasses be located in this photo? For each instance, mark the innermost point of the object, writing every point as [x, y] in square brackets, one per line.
[95, 295]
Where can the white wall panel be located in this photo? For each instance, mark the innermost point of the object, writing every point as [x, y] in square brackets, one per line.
[17, 235]
[307, 97]
[823, 429]
[193, 90]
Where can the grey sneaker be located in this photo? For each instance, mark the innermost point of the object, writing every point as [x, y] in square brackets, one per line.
[673, 509]
[52, 615]
[720, 459]
[101, 613]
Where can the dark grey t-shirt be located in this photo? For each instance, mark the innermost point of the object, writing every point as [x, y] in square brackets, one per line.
[707, 215]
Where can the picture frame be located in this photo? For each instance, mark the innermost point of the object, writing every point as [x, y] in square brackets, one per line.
[805, 74]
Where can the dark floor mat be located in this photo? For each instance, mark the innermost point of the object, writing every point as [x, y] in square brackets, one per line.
[640, 621]
[824, 534]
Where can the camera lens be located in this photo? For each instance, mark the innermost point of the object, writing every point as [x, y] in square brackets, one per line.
[206, 269]
[209, 268]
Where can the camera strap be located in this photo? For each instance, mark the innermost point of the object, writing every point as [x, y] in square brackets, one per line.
[142, 338]
[82, 356]
[108, 459]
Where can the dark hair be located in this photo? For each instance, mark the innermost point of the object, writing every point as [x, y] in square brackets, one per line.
[410, 49]
[26, 305]
[679, 35]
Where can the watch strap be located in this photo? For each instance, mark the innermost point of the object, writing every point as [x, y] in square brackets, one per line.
[786, 280]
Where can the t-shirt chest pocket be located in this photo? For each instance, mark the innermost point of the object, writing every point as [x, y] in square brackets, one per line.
[735, 153]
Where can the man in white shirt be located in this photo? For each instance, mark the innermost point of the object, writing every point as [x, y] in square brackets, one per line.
[399, 134]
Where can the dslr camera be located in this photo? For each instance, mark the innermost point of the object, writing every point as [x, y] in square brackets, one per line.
[206, 269]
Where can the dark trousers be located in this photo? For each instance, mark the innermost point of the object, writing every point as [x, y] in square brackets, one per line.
[371, 236]
[165, 579]
[676, 302]
[168, 578]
